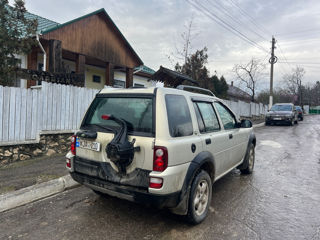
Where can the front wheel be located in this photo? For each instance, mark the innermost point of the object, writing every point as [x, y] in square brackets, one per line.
[250, 159]
[291, 123]
[199, 198]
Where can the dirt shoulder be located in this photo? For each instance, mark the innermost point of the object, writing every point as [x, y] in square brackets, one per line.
[29, 172]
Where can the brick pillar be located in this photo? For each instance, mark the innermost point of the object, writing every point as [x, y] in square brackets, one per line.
[129, 77]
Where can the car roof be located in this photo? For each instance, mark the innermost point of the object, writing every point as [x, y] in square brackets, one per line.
[151, 90]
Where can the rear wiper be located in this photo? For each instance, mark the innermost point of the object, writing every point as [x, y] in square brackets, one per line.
[103, 127]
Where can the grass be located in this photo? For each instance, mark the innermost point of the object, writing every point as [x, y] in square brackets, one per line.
[5, 189]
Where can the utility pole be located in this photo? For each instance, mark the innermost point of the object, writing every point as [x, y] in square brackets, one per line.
[272, 61]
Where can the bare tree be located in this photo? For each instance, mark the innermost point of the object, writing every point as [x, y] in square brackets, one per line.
[294, 82]
[249, 74]
[182, 52]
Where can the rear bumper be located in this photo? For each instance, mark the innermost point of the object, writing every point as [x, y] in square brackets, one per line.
[140, 195]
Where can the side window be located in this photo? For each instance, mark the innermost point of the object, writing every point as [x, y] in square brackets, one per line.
[208, 117]
[180, 123]
[199, 118]
[227, 118]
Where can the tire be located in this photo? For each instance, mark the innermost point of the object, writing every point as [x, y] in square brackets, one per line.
[296, 122]
[250, 157]
[199, 198]
[291, 123]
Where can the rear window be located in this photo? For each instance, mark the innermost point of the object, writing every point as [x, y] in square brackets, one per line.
[179, 117]
[136, 111]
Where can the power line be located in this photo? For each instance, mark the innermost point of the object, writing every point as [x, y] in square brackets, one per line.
[298, 32]
[251, 19]
[304, 63]
[226, 11]
[225, 25]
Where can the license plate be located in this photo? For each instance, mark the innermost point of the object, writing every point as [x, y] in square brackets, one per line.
[94, 146]
[277, 119]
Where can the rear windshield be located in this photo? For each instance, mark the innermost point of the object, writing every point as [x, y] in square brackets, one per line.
[136, 111]
[281, 108]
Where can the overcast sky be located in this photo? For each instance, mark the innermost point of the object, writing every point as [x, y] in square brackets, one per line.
[154, 28]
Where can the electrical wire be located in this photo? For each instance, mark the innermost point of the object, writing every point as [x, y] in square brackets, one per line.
[251, 19]
[225, 25]
[237, 21]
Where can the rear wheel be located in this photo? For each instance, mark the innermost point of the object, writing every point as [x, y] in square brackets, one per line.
[250, 158]
[199, 198]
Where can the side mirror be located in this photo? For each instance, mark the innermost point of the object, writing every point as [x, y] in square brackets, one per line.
[245, 123]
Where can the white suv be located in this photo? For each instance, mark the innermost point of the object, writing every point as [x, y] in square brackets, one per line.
[160, 146]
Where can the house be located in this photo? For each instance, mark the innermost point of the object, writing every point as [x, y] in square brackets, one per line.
[234, 93]
[91, 47]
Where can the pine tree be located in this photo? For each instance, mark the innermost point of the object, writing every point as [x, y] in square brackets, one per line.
[17, 36]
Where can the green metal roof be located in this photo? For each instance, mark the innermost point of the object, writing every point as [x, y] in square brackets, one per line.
[43, 23]
[144, 69]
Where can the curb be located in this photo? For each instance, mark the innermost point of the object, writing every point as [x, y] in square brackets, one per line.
[258, 125]
[36, 192]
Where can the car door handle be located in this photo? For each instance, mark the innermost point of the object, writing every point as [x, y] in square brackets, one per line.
[208, 141]
[230, 136]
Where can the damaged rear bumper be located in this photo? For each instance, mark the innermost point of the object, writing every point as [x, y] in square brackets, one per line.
[129, 193]
[101, 177]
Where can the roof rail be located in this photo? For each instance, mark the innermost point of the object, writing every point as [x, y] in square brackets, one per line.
[199, 89]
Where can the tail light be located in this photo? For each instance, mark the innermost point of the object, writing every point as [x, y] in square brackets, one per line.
[160, 159]
[73, 144]
[155, 182]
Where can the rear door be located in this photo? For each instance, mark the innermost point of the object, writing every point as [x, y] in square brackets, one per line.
[213, 138]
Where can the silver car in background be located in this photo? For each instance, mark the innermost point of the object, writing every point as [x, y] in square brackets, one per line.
[282, 113]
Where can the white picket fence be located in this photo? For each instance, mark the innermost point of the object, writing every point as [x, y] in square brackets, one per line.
[24, 113]
[245, 109]
[55, 108]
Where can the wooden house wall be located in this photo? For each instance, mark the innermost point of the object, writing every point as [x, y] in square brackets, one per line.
[95, 36]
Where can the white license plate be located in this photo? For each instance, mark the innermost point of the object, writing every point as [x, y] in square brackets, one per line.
[277, 119]
[95, 146]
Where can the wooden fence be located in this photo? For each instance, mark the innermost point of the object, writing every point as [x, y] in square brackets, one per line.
[52, 108]
[24, 113]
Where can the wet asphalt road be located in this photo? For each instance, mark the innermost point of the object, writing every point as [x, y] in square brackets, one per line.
[280, 200]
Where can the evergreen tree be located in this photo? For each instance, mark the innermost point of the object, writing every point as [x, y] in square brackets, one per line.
[16, 37]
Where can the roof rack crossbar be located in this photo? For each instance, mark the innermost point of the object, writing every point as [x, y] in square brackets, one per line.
[185, 87]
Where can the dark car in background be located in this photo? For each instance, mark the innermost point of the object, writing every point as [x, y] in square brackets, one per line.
[300, 113]
[282, 113]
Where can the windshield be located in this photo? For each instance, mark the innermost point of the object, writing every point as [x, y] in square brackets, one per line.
[137, 112]
[281, 108]
[298, 108]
